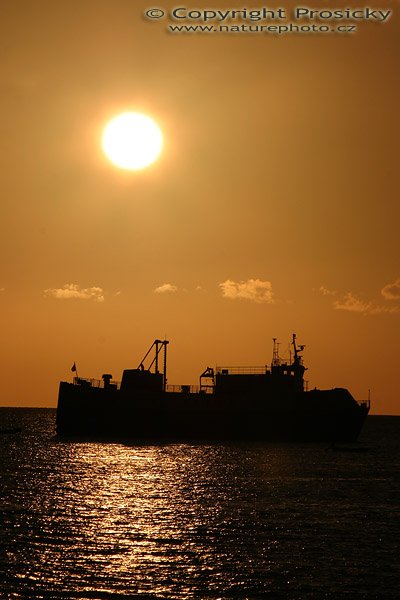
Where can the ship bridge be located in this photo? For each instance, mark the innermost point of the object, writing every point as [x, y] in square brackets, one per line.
[281, 377]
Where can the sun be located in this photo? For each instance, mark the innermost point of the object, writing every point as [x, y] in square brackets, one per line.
[132, 141]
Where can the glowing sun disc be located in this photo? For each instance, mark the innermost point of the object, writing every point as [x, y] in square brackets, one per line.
[132, 141]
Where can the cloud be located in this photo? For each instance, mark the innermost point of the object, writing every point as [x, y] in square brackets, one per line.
[252, 289]
[351, 303]
[166, 287]
[73, 291]
[391, 291]
[325, 292]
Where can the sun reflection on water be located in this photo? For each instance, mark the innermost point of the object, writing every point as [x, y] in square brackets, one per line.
[94, 520]
[136, 512]
[143, 518]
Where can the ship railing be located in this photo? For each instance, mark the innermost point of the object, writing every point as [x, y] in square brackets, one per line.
[95, 383]
[190, 389]
[242, 370]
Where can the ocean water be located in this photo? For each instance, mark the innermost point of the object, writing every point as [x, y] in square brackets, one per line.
[111, 520]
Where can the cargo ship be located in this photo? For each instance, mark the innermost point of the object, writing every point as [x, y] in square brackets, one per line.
[267, 403]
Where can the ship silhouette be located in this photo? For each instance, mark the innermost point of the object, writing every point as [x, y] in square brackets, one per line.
[268, 403]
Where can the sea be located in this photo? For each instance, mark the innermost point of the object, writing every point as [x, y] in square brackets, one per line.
[94, 520]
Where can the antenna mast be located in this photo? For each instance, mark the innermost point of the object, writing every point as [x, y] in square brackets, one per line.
[297, 356]
[275, 353]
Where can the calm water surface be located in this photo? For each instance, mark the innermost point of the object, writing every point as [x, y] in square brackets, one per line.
[97, 520]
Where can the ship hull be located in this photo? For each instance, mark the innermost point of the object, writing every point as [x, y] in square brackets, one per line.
[316, 416]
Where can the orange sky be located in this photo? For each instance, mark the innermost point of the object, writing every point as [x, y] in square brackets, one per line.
[279, 176]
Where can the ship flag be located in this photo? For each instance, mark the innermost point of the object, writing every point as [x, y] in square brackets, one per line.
[74, 369]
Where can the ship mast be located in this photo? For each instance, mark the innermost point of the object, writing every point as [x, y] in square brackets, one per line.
[275, 353]
[297, 356]
[158, 344]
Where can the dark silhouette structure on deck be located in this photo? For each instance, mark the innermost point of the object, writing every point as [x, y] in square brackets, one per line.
[230, 403]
